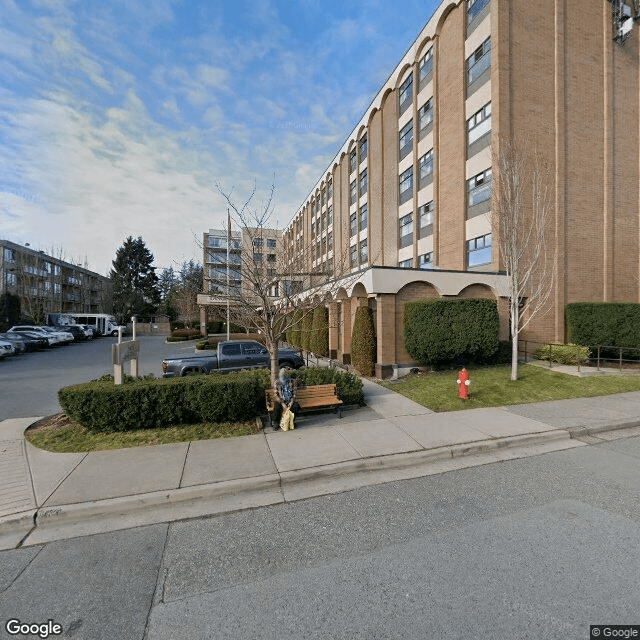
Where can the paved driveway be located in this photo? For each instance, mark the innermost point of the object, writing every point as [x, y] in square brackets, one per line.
[29, 383]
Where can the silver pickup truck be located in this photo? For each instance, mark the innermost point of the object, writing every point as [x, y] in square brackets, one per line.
[231, 355]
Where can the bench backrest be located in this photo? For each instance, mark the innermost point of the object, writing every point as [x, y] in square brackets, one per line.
[316, 391]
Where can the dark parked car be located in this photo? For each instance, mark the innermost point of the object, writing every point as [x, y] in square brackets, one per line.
[19, 343]
[78, 333]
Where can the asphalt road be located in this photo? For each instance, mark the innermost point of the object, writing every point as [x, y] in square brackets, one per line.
[531, 549]
[29, 383]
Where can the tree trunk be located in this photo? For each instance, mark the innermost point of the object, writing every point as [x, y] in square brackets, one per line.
[514, 339]
[275, 368]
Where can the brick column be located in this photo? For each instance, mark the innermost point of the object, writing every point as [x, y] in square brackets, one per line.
[385, 334]
[203, 321]
[345, 332]
[333, 330]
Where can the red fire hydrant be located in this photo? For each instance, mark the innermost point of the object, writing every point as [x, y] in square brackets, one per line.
[463, 384]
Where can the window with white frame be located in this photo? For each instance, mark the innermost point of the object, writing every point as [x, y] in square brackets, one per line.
[9, 255]
[353, 160]
[364, 252]
[474, 7]
[258, 242]
[425, 66]
[479, 61]
[405, 95]
[479, 188]
[479, 124]
[406, 139]
[330, 191]
[353, 255]
[10, 279]
[406, 230]
[329, 215]
[425, 216]
[479, 250]
[364, 213]
[406, 185]
[353, 191]
[425, 261]
[362, 146]
[363, 182]
[353, 221]
[425, 169]
[425, 115]
[406, 264]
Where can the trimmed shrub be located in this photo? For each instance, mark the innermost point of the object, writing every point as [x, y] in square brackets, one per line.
[363, 342]
[176, 339]
[296, 330]
[211, 343]
[138, 404]
[305, 331]
[564, 353]
[443, 330]
[348, 384]
[189, 334]
[614, 324]
[320, 332]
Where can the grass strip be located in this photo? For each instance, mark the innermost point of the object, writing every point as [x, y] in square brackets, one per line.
[492, 387]
[74, 438]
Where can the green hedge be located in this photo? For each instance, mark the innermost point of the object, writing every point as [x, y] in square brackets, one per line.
[320, 334]
[296, 329]
[593, 324]
[349, 385]
[564, 353]
[306, 329]
[185, 333]
[363, 342]
[443, 330]
[139, 404]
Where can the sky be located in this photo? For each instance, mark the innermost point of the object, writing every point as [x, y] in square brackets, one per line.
[128, 117]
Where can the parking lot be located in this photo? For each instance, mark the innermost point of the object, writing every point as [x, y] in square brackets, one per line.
[29, 382]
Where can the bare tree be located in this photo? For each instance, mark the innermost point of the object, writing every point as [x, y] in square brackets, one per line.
[266, 286]
[520, 220]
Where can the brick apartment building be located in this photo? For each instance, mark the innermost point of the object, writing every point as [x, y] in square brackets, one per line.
[46, 284]
[406, 201]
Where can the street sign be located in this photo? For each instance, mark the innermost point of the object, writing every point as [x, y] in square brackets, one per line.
[125, 351]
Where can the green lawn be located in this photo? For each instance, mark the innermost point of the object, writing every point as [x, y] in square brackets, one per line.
[492, 387]
[74, 438]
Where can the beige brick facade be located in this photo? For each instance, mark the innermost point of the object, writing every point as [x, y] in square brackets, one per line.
[556, 79]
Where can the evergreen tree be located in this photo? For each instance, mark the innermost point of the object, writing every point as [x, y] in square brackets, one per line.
[9, 310]
[135, 283]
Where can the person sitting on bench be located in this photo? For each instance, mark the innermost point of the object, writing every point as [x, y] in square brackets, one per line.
[285, 413]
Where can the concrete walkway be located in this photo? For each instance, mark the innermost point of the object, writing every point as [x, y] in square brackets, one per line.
[48, 496]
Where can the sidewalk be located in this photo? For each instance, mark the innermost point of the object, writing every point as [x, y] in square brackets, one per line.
[48, 496]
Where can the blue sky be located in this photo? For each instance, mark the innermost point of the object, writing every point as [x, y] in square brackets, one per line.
[119, 117]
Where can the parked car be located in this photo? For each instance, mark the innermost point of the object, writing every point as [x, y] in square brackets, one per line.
[6, 349]
[65, 336]
[51, 338]
[231, 355]
[32, 340]
[75, 330]
[19, 343]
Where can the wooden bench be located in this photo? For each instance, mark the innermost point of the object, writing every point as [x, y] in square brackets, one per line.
[312, 398]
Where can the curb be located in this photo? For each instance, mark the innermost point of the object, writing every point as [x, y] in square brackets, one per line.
[53, 522]
[577, 432]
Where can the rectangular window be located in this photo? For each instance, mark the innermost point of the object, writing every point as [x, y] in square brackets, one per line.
[353, 219]
[363, 217]
[330, 191]
[353, 253]
[329, 241]
[364, 252]
[425, 261]
[479, 188]
[353, 160]
[479, 61]
[479, 124]
[57, 288]
[425, 67]
[329, 215]
[479, 251]
[406, 264]
[406, 185]
[9, 255]
[425, 118]
[10, 279]
[474, 7]
[425, 169]
[406, 139]
[353, 192]
[406, 230]
[426, 215]
[257, 257]
[271, 243]
[405, 96]
[363, 147]
[257, 242]
[363, 183]
[271, 257]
